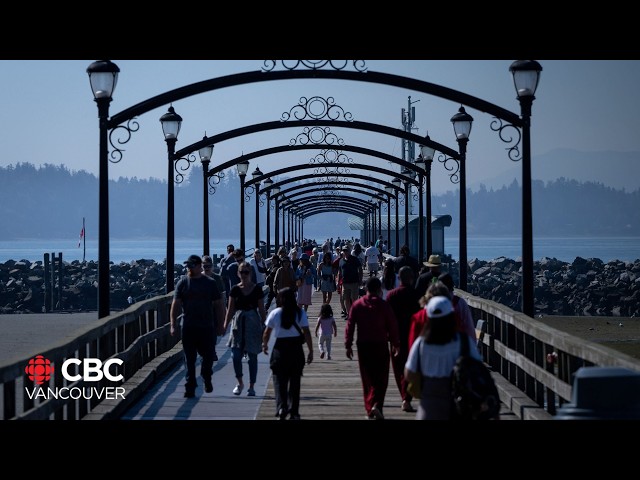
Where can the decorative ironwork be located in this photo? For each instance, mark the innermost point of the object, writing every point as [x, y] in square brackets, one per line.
[453, 176]
[182, 164]
[260, 197]
[416, 191]
[316, 108]
[330, 192]
[515, 154]
[358, 65]
[332, 178]
[331, 156]
[316, 136]
[214, 179]
[116, 153]
[248, 191]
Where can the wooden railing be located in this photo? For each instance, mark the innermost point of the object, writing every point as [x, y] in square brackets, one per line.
[136, 336]
[535, 358]
[516, 346]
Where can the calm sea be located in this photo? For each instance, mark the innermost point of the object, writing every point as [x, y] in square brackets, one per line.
[483, 248]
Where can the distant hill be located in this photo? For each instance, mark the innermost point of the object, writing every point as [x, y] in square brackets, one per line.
[619, 170]
[51, 201]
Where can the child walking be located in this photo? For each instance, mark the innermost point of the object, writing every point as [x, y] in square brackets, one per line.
[327, 327]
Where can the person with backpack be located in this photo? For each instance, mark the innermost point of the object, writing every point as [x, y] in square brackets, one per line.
[433, 356]
[351, 275]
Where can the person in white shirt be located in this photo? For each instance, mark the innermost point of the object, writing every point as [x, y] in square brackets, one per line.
[290, 325]
[259, 267]
[372, 255]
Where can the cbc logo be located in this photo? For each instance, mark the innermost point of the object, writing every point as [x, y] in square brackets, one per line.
[39, 370]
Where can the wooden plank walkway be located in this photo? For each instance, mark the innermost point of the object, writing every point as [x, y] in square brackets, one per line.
[331, 389]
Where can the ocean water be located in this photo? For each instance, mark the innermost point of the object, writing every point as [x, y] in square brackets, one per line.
[484, 248]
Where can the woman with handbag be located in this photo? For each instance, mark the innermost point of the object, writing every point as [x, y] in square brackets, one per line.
[290, 325]
[245, 314]
[305, 279]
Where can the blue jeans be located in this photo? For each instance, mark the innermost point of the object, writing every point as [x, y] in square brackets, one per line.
[237, 364]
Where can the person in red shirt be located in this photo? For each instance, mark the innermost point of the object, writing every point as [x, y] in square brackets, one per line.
[377, 327]
[404, 301]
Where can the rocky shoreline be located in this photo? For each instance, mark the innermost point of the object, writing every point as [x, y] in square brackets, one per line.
[584, 287]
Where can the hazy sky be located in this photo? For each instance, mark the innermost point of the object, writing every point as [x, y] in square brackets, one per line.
[48, 114]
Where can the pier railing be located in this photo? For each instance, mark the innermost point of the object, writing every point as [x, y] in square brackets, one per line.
[538, 360]
[36, 389]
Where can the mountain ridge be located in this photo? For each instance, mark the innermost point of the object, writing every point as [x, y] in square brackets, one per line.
[619, 170]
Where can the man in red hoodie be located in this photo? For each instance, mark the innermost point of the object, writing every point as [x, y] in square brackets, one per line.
[377, 327]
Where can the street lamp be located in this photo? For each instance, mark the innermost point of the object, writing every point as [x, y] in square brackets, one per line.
[379, 223]
[397, 183]
[420, 164]
[425, 160]
[243, 168]
[276, 226]
[284, 201]
[267, 186]
[171, 123]
[526, 75]
[103, 76]
[389, 191]
[462, 122]
[257, 174]
[407, 174]
[205, 157]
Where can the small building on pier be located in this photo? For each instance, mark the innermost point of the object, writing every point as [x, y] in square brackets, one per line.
[438, 224]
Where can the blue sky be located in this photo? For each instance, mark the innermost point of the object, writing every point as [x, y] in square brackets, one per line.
[48, 114]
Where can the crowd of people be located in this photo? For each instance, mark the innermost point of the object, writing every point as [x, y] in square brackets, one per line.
[402, 316]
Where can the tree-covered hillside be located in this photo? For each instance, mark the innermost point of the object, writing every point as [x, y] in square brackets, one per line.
[50, 202]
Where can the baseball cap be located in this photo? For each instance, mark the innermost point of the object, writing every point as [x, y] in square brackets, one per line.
[193, 260]
[439, 307]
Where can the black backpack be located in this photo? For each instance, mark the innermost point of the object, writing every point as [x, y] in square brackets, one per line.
[474, 392]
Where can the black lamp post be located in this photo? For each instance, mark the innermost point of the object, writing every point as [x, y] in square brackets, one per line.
[171, 123]
[205, 157]
[243, 168]
[256, 174]
[406, 173]
[267, 186]
[389, 191]
[426, 159]
[379, 220]
[284, 202]
[420, 164]
[276, 226]
[397, 182]
[526, 75]
[462, 122]
[372, 216]
[103, 76]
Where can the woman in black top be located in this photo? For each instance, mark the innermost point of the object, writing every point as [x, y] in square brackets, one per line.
[246, 315]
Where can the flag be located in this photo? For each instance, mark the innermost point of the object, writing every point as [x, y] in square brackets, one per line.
[81, 237]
